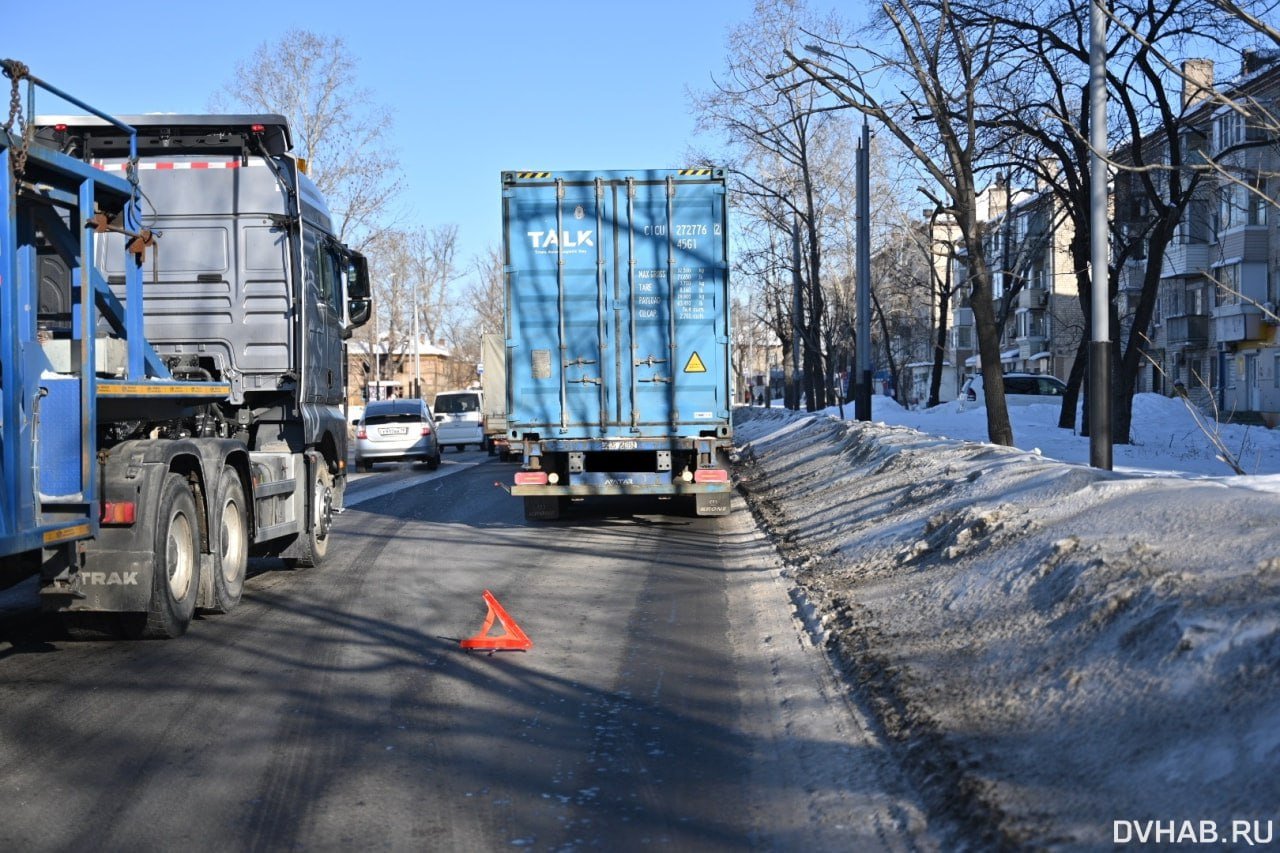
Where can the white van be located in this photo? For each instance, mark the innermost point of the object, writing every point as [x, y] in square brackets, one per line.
[459, 419]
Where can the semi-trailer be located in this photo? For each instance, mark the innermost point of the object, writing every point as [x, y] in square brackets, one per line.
[617, 336]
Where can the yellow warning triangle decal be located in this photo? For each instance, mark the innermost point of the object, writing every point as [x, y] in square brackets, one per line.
[695, 365]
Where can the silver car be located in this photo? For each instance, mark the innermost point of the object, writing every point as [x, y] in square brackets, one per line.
[1020, 389]
[392, 430]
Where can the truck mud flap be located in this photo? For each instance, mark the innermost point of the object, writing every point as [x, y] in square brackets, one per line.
[541, 508]
[712, 503]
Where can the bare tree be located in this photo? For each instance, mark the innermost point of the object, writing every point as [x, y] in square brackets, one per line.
[938, 67]
[431, 266]
[781, 134]
[338, 128]
[1156, 157]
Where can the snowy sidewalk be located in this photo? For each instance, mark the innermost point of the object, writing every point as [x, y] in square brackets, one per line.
[1056, 648]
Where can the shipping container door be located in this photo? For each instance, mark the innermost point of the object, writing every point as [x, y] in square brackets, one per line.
[679, 327]
[563, 350]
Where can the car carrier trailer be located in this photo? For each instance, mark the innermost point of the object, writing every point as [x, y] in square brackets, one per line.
[174, 305]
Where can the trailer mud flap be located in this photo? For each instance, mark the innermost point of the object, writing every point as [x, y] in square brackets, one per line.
[712, 503]
[541, 508]
[111, 582]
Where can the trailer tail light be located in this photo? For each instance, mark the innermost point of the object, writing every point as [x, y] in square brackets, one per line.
[118, 512]
[711, 475]
[531, 478]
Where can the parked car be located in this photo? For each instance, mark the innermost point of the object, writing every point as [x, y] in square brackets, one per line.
[1020, 389]
[459, 419]
[392, 430]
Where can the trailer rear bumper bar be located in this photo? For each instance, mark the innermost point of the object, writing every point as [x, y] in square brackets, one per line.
[591, 490]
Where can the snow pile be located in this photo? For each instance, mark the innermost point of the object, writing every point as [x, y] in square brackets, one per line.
[1055, 647]
[1165, 435]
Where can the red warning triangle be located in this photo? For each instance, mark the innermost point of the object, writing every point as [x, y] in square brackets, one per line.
[514, 638]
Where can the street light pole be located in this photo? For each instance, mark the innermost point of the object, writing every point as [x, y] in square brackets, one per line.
[862, 388]
[417, 353]
[797, 310]
[1100, 315]
[376, 394]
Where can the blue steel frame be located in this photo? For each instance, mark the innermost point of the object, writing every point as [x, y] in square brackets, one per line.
[70, 185]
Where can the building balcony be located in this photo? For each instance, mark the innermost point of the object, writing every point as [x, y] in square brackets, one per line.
[1032, 346]
[1033, 297]
[1241, 322]
[1183, 260]
[1187, 330]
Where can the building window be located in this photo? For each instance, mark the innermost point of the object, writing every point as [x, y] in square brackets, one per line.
[1257, 201]
[1228, 278]
[1228, 130]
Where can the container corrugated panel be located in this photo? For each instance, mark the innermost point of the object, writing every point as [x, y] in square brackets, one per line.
[617, 292]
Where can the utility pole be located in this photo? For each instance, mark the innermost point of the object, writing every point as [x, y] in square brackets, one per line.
[376, 394]
[862, 388]
[417, 353]
[1100, 341]
[797, 312]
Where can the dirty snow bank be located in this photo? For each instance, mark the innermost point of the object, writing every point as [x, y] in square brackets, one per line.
[1056, 648]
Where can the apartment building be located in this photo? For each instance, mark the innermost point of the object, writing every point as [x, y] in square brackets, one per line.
[1214, 331]
[1214, 334]
[1033, 285]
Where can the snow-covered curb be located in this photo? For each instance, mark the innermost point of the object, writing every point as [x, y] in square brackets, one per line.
[1057, 648]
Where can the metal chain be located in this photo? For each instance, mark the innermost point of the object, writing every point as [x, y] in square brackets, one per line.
[16, 72]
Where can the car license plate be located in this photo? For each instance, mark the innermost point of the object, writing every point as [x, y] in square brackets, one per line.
[395, 430]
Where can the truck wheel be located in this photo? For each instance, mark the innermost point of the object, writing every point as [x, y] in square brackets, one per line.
[231, 551]
[175, 574]
[315, 542]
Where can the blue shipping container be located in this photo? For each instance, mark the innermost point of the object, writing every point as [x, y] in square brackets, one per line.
[617, 304]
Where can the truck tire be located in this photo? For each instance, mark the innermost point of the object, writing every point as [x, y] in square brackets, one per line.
[175, 575]
[231, 549]
[315, 542]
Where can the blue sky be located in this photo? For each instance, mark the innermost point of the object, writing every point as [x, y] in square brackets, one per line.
[476, 87]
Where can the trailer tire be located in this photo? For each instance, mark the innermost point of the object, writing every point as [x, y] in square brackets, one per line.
[315, 542]
[231, 550]
[175, 576]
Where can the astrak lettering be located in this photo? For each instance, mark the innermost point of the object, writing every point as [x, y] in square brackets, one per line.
[112, 578]
[547, 239]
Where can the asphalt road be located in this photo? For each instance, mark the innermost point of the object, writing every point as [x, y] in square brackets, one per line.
[671, 699]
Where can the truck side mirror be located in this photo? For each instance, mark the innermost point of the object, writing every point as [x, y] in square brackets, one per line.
[359, 300]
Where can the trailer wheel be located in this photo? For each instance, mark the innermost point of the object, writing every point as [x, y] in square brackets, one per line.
[175, 574]
[231, 551]
[315, 542]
